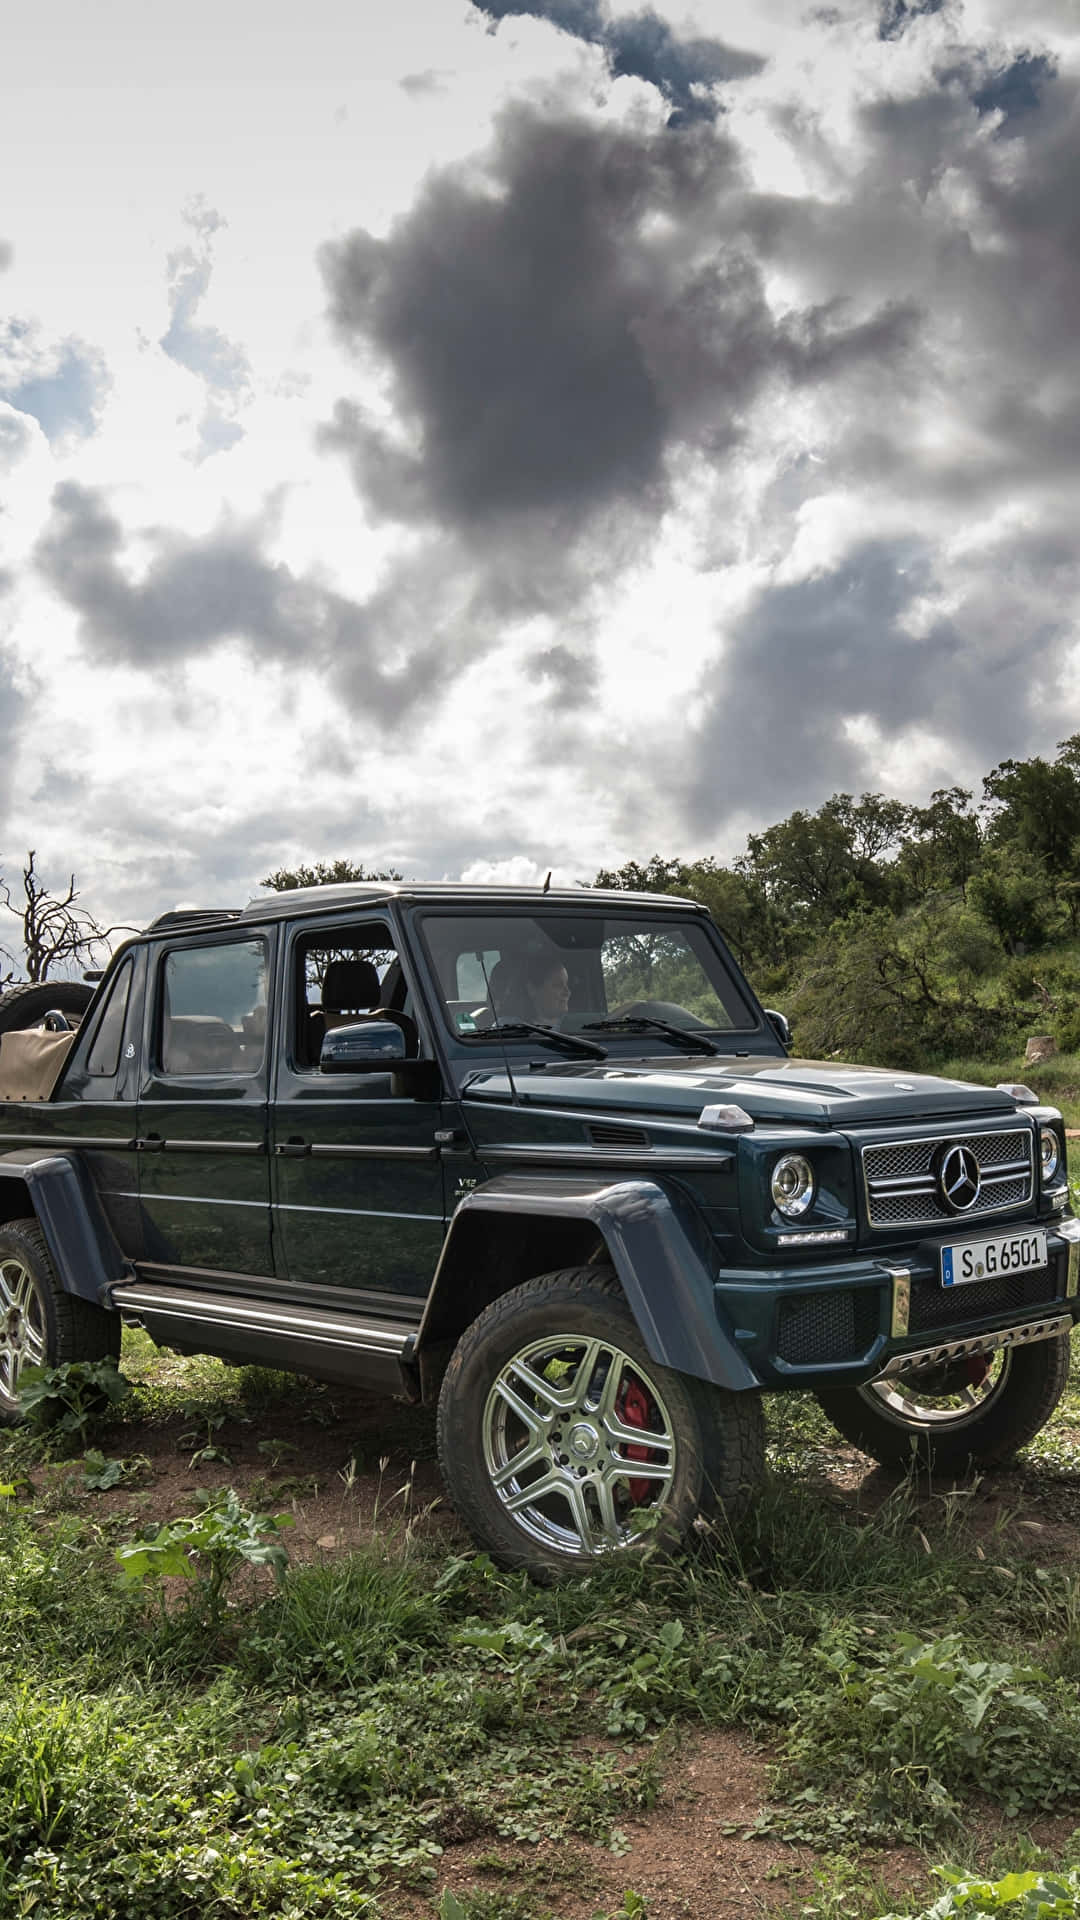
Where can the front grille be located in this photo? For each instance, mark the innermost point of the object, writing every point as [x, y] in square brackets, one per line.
[816, 1328]
[902, 1190]
[933, 1305]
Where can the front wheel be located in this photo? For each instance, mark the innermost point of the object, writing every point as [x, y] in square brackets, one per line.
[973, 1412]
[561, 1441]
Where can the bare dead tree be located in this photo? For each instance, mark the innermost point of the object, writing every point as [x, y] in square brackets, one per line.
[55, 929]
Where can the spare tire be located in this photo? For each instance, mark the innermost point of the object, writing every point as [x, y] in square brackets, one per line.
[27, 1006]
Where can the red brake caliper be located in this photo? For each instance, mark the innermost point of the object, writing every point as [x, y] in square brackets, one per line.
[635, 1412]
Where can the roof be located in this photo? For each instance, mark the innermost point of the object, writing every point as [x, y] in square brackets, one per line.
[332, 899]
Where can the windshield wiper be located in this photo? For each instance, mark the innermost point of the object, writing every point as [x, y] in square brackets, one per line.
[687, 1038]
[564, 1042]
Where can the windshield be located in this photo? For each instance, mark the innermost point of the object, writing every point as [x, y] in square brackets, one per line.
[568, 970]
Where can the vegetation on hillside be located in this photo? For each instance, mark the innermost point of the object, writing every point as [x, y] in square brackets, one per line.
[908, 935]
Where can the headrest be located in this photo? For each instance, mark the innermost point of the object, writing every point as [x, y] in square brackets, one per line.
[349, 986]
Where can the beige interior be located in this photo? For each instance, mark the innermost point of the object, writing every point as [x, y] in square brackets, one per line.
[30, 1062]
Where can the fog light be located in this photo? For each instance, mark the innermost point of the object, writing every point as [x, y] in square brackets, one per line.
[792, 1185]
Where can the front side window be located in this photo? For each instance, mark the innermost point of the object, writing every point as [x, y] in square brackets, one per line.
[213, 1009]
[570, 970]
[345, 975]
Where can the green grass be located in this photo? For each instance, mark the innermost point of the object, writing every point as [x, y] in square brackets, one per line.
[1056, 1081]
[313, 1744]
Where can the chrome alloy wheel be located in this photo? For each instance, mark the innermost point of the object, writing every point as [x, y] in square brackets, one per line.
[22, 1325]
[575, 1438]
[945, 1396]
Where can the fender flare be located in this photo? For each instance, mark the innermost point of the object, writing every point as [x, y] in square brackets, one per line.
[654, 1249]
[81, 1243]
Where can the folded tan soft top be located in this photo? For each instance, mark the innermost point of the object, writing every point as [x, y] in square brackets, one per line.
[30, 1062]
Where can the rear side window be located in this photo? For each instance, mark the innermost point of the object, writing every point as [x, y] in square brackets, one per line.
[103, 1060]
[213, 1009]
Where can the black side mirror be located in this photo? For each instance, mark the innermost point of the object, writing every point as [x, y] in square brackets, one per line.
[779, 1025]
[378, 1046]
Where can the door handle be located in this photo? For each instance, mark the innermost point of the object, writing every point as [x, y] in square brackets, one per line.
[151, 1143]
[293, 1149]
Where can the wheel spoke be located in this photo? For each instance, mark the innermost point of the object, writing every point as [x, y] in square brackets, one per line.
[7, 1368]
[608, 1518]
[33, 1346]
[640, 1470]
[627, 1436]
[610, 1396]
[535, 1450]
[558, 1399]
[553, 1482]
[23, 1291]
[534, 1423]
[575, 1493]
[9, 1276]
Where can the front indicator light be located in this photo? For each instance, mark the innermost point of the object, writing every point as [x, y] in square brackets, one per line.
[792, 1185]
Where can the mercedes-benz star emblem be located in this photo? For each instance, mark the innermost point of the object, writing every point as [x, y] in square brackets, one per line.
[959, 1179]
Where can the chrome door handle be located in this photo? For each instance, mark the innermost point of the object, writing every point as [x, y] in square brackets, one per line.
[293, 1149]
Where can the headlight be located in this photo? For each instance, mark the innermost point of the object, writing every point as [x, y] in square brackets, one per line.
[792, 1185]
[1049, 1154]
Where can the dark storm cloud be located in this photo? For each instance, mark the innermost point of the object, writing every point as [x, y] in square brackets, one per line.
[891, 637]
[560, 327]
[197, 593]
[642, 46]
[1016, 89]
[61, 383]
[897, 15]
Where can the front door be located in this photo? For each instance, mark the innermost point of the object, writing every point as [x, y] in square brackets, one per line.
[358, 1186]
[204, 1182]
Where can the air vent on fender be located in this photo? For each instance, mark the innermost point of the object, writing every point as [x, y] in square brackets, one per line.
[605, 1136]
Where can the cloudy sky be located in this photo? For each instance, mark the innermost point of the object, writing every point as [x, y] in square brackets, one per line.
[491, 437]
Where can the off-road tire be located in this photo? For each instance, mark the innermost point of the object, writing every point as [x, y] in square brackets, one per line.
[719, 1447]
[27, 1006]
[1030, 1388]
[70, 1328]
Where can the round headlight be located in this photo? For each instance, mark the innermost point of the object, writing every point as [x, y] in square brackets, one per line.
[792, 1185]
[1049, 1154]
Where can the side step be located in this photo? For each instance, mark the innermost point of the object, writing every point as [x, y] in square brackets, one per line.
[326, 1344]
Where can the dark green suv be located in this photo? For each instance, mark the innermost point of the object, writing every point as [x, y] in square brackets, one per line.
[544, 1158]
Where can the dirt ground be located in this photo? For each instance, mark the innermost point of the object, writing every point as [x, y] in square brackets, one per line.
[350, 1474]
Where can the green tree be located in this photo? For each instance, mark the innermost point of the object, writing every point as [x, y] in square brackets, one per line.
[1035, 806]
[942, 845]
[325, 873]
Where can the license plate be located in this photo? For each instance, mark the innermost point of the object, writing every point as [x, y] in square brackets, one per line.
[987, 1259]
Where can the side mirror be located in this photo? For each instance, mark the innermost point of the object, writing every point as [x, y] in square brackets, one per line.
[378, 1046]
[779, 1025]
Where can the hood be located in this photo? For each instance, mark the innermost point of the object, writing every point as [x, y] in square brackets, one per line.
[815, 1093]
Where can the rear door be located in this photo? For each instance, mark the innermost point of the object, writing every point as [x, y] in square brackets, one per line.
[202, 1118]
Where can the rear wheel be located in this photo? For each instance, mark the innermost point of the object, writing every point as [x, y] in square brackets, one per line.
[972, 1412]
[40, 1324]
[562, 1441]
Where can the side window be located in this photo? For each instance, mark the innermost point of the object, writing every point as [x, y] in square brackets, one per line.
[213, 1009]
[103, 1059]
[344, 975]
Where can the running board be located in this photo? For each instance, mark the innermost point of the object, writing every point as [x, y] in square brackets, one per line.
[1025, 1336]
[327, 1345]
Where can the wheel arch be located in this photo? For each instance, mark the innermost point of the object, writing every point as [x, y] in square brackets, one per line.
[516, 1227]
[57, 1191]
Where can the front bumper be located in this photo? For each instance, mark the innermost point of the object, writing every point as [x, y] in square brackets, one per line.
[854, 1320]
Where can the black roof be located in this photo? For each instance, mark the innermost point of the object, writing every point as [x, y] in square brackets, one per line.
[295, 901]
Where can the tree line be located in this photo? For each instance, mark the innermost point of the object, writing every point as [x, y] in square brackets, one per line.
[907, 934]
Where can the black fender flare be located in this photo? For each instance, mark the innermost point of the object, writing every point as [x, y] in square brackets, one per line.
[653, 1247]
[62, 1196]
